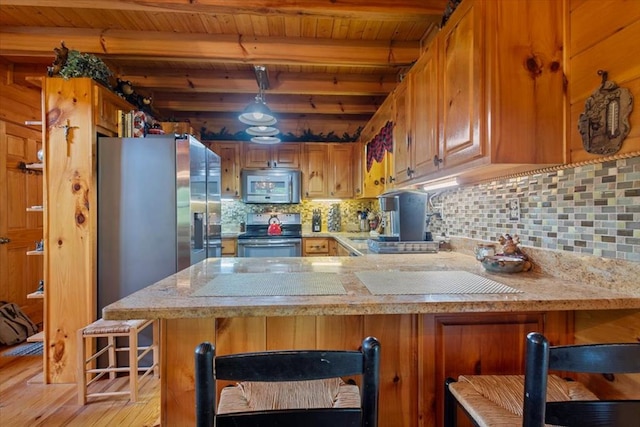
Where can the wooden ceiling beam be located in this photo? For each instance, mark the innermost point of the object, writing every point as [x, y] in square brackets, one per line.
[406, 10]
[278, 104]
[40, 41]
[198, 81]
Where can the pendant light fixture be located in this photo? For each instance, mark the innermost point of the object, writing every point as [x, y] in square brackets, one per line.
[257, 113]
[262, 131]
[265, 139]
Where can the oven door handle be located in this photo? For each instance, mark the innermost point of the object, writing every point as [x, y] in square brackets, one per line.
[271, 244]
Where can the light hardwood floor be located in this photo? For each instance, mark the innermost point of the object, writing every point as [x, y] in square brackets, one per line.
[26, 401]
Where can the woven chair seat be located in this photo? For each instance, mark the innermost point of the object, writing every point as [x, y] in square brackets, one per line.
[102, 326]
[258, 396]
[496, 400]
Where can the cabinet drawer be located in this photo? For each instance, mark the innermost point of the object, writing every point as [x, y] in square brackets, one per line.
[316, 246]
[229, 247]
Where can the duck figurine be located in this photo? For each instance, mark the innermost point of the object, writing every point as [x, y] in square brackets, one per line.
[510, 259]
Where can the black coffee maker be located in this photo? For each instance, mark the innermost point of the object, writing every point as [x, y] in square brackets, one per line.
[316, 221]
[404, 215]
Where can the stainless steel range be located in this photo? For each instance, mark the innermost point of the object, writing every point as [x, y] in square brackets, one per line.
[271, 235]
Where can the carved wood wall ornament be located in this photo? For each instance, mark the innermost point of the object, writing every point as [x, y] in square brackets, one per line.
[605, 122]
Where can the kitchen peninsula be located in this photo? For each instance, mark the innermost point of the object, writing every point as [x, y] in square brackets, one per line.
[426, 334]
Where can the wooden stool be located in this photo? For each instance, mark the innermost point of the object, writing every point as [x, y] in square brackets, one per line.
[112, 329]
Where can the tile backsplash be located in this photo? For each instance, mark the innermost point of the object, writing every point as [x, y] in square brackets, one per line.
[234, 211]
[592, 209]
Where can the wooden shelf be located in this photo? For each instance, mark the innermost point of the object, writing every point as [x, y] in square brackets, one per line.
[35, 209]
[35, 252]
[39, 337]
[35, 295]
[38, 166]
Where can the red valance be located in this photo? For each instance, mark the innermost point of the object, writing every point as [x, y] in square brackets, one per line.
[380, 143]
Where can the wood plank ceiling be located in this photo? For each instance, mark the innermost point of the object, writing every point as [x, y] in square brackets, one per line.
[331, 63]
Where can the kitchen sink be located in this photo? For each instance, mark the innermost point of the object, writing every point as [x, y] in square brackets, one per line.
[359, 243]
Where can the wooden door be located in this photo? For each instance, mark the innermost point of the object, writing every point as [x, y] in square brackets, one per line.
[402, 133]
[341, 170]
[285, 156]
[462, 73]
[19, 229]
[256, 156]
[476, 345]
[315, 170]
[229, 153]
[375, 178]
[425, 144]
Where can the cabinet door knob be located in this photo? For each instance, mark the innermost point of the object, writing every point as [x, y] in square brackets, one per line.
[410, 172]
[391, 179]
[437, 161]
[4, 240]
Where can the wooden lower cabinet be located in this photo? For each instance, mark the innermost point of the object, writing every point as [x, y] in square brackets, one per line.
[229, 247]
[474, 345]
[318, 246]
[417, 352]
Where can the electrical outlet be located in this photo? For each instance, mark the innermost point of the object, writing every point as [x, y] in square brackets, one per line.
[514, 209]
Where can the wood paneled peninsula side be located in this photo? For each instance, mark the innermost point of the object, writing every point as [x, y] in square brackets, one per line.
[424, 337]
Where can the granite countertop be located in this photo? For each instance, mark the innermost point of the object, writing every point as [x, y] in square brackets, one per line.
[174, 297]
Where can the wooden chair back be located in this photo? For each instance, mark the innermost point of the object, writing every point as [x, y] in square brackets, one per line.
[587, 358]
[291, 365]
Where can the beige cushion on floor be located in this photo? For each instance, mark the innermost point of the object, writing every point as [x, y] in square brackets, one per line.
[496, 400]
[256, 396]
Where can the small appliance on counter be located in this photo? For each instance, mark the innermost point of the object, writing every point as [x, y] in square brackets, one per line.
[403, 216]
[316, 221]
[403, 224]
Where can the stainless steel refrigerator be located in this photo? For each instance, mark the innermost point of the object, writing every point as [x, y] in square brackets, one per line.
[158, 210]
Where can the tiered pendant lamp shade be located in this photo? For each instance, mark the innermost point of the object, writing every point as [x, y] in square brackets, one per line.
[262, 131]
[257, 114]
[265, 139]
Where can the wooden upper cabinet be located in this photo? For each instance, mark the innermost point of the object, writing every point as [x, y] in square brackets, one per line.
[485, 99]
[402, 132]
[286, 155]
[341, 170]
[229, 153]
[328, 170]
[416, 133]
[108, 109]
[462, 62]
[377, 168]
[315, 170]
[502, 101]
[425, 147]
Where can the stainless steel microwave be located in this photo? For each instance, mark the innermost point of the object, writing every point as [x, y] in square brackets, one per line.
[270, 185]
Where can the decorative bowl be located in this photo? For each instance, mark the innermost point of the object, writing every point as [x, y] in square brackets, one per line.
[504, 264]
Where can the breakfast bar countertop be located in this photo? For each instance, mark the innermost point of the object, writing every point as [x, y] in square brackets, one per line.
[191, 293]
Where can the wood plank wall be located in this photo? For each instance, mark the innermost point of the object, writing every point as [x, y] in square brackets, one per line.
[602, 36]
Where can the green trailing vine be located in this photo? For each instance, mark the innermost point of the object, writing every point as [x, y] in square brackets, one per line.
[306, 136]
[86, 65]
